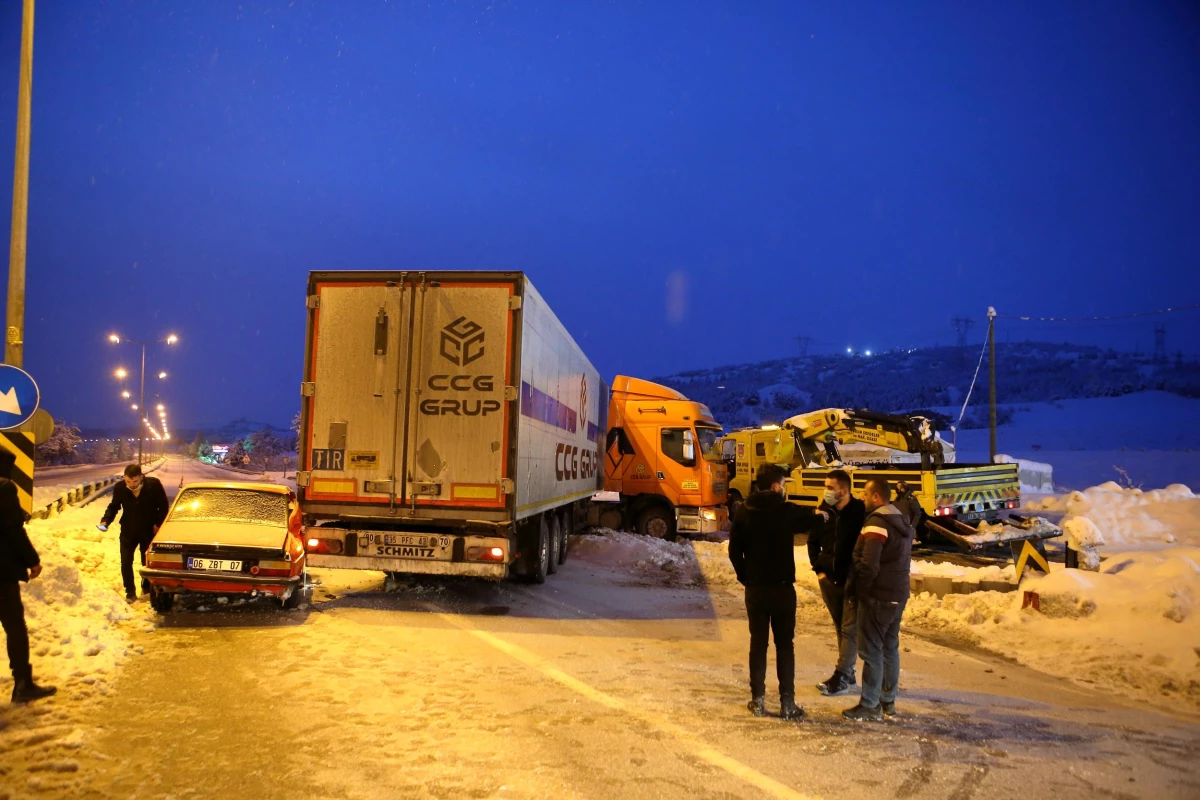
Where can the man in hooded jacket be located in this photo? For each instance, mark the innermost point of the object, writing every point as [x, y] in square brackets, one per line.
[19, 562]
[879, 584]
[761, 550]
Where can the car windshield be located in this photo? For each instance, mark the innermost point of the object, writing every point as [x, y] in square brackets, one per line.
[710, 442]
[231, 505]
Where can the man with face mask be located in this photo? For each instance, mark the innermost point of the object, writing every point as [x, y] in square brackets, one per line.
[142, 502]
[761, 549]
[879, 582]
[18, 562]
[830, 552]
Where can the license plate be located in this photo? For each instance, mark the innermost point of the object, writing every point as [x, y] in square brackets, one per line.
[214, 565]
[402, 540]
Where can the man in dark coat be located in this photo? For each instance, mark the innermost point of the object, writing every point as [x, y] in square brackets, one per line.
[18, 562]
[143, 504]
[830, 552]
[761, 550]
[879, 583]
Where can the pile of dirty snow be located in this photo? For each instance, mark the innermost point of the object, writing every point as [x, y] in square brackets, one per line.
[1130, 519]
[76, 611]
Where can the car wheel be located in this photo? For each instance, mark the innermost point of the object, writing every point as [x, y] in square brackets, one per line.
[297, 596]
[566, 525]
[555, 534]
[161, 601]
[657, 523]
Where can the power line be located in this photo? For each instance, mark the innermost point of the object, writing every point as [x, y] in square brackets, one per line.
[1156, 312]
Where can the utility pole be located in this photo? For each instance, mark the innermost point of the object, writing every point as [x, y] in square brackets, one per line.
[991, 385]
[1160, 343]
[14, 342]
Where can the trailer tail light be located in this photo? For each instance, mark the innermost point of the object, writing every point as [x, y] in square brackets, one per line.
[1011, 504]
[331, 546]
[943, 511]
[477, 553]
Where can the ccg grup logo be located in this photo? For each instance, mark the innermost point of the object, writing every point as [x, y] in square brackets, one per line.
[462, 342]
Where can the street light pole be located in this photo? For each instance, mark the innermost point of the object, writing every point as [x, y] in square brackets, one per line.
[14, 344]
[142, 405]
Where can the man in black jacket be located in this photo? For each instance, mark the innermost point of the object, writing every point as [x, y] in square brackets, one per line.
[879, 582]
[761, 550]
[831, 551]
[142, 502]
[18, 562]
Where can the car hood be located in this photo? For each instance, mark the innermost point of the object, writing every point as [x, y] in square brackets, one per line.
[235, 534]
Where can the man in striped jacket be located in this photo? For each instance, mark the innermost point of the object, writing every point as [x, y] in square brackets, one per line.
[879, 583]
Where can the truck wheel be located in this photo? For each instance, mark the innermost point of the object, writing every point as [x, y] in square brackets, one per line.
[161, 601]
[535, 551]
[566, 525]
[555, 531]
[656, 522]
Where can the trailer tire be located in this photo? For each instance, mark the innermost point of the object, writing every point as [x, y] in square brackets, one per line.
[656, 522]
[555, 535]
[535, 551]
[567, 526]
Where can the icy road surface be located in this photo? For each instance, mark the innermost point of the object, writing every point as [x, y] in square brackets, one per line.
[599, 684]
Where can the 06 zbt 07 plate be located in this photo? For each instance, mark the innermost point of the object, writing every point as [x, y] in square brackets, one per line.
[214, 565]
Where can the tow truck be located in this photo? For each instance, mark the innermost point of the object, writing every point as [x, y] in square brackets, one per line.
[970, 505]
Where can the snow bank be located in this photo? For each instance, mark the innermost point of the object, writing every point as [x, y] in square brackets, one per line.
[1132, 519]
[1133, 627]
[76, 611]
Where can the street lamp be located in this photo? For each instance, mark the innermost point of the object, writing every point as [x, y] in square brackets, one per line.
[116, 339]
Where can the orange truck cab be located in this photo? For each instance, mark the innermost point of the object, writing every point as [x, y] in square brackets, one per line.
[663, 471]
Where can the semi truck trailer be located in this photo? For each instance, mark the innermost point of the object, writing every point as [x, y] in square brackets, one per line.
[449, 425]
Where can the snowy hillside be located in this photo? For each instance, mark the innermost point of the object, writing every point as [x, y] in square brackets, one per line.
[1095, 415]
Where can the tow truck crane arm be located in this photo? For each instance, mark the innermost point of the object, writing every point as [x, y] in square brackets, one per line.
[830, 427]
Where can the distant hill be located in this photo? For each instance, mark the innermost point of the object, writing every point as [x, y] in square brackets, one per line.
[925, 379]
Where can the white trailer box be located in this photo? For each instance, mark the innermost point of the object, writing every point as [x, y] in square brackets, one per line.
[449, 425]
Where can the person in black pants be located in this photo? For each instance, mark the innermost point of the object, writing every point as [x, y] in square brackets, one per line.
[142, 502]
[18, 562]
[761, 550]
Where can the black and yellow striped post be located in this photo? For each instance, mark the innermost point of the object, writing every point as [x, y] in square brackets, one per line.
[20, 444]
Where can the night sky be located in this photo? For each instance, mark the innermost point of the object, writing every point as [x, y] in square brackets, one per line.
[688, 183]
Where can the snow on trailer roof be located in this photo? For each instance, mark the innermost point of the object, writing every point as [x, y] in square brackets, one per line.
[273, 488]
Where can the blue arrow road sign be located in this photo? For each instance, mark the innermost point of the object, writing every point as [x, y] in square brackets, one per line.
[19, 396]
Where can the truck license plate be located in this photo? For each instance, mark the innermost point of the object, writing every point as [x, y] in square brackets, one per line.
[408, 541]
[214, 565]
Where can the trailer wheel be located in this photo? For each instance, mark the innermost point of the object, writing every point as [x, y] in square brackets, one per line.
[567, 526]
[656, 522]
[535, 551]
[555, 531]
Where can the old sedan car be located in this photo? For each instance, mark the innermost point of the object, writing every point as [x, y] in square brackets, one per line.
[228, 538]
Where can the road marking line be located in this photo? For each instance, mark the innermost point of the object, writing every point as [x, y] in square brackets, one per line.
[715, 757]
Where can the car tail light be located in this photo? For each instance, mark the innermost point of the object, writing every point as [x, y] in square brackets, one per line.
[164, 560]
[274, 569]
[332, 546]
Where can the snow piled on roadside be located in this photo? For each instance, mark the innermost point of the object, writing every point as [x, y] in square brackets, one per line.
[76, 611]
[1132, 628]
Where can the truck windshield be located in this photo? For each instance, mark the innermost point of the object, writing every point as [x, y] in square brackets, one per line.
[709, 440]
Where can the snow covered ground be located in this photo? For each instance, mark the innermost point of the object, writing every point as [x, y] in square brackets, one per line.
[78, 619]
[1131, 628]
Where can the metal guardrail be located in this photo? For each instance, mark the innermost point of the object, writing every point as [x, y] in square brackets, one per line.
[84, 491]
